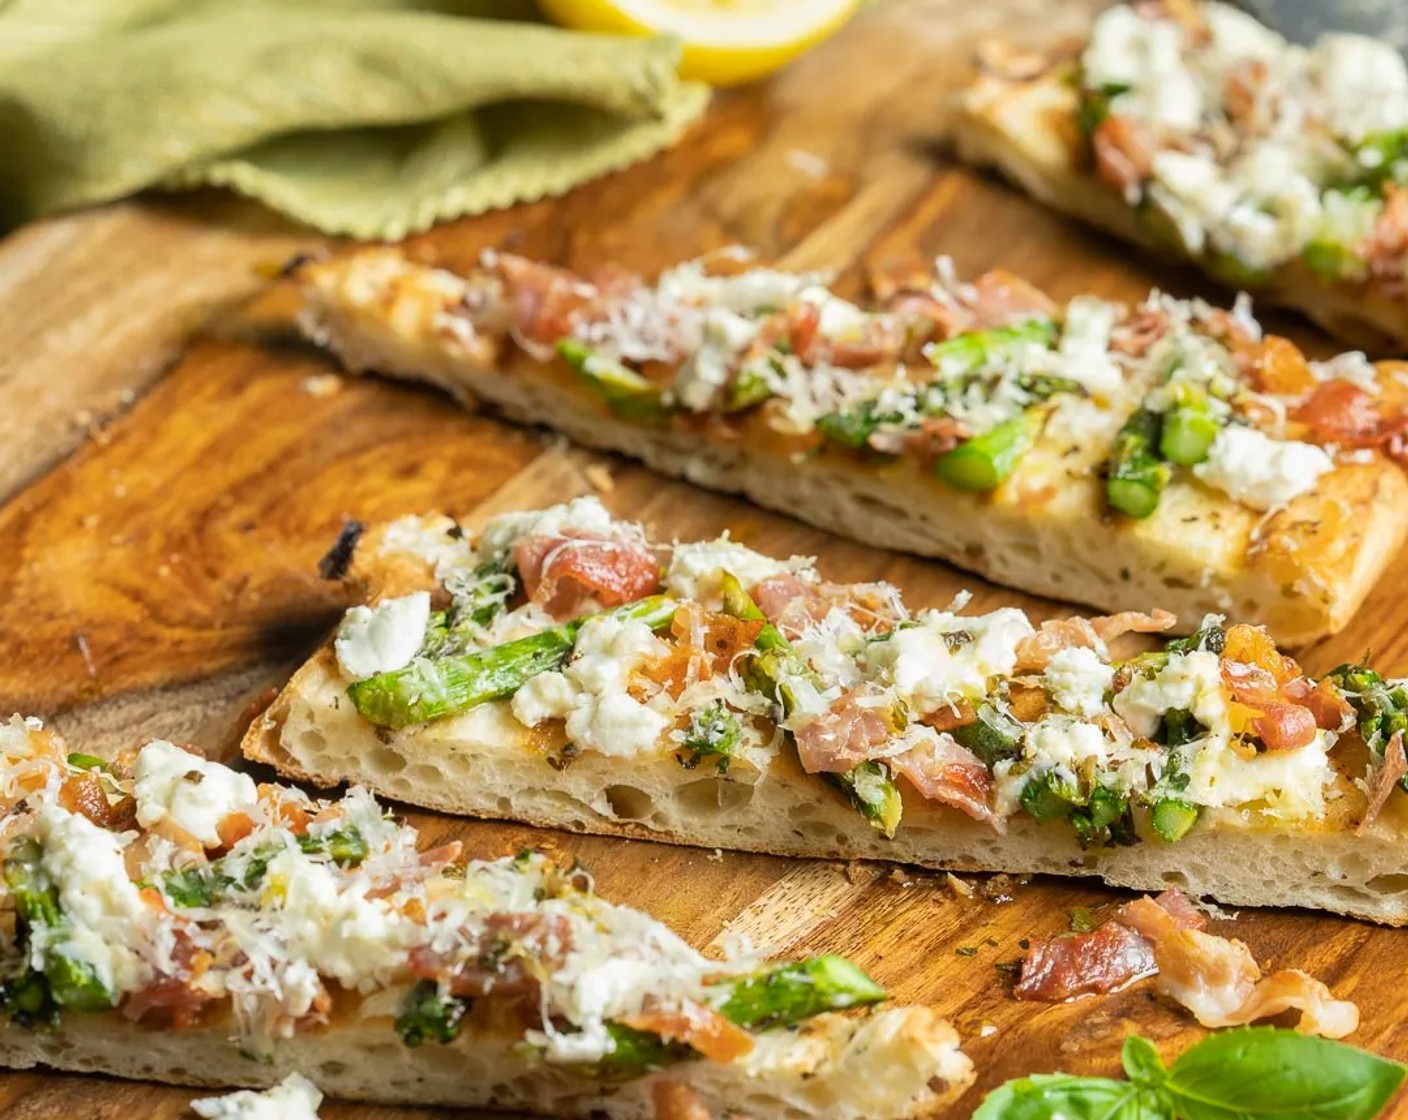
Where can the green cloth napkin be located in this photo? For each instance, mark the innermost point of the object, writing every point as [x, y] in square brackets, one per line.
[374, 118]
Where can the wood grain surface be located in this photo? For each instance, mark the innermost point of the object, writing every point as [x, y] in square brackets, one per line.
[167, 503]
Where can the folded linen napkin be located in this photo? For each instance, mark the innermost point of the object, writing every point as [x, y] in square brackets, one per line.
[374, 118]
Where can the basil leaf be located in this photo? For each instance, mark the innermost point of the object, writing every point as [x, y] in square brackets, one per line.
[1142, 1063]
[1260, 1072]
[1059, 1096]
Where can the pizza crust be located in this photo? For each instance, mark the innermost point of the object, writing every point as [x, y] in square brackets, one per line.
[1025, 129]
[901, 1063]
[483, 764]
[1302, 572]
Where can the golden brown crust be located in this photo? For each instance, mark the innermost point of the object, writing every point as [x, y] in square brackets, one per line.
[481, 764]
[1046, 530]
[806, 1075]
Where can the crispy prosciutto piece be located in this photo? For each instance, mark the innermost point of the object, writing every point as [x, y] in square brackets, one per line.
[84, 793]
[848, 733]
[1216, 978]
[935, 436]
[1000, 298]
[500, 957]
[171, 995]
[1386, 247]
[698, 1026]
[1348, 415]
[703, 643]
[1034, 653]
[1124, 152]
[561, 573]
[1272, 696]
[1108, 627]
[1386, 778]
[792, 604]
[1143, 327]
[543, 300]
[1095, 963]
[943, 770]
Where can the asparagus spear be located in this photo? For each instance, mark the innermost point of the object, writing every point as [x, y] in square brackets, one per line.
[967, 352]
[871, 790]
[987, 459]
[627, 393]
[72, 982]
[794, 992]
[1189, 426]
[428, 1015]
[869, 785]
[432, 688]
[749, 387]
[1172, 817]
[851, 427]
[1094, 105]
[1137, 477]
[1102, 817]
[993, 736]
[344, 846]
[634, 1053]
[1381, 705]
[713, 732]
[779, 997]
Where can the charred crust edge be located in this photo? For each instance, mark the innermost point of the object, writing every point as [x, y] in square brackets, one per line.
[338, 558]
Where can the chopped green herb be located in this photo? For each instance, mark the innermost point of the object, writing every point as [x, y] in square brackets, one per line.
[430, 1016]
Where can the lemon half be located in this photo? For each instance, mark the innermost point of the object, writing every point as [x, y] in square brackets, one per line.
[725, 41]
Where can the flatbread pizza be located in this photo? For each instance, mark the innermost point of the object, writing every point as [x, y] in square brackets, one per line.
[166, 918]
[1169, 453]
[1190, 128]
[562, 668]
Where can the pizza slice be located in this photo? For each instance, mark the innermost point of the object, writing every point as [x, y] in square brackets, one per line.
[1192, 129]
[1167, 453]
[561, 668]
[166, 918]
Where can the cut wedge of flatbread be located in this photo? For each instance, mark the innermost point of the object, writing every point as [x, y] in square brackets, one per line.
[1193, 130]
[1163, 454]
[562, 669]
[167, 919]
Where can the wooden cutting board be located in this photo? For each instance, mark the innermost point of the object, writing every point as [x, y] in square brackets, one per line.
[167, 498]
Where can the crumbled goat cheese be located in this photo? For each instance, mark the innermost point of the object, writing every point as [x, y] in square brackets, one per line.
[1287, 784]
[724, 336]
[1147, 57]
[1190, 682]
[382, 638]
[831, 646]
[195, 795]
[1078, 680]
[697, 569]
[549, 695]
[1085, 345]
[105, 916]
[946, 657]
[436, 540]
[1364, 84]
[591, 692]
[294, 1098]
[1353, 366]
[328, 920]
[584, 516]
[1259, 471]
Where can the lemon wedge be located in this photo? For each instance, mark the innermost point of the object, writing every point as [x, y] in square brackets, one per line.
[726, 42]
